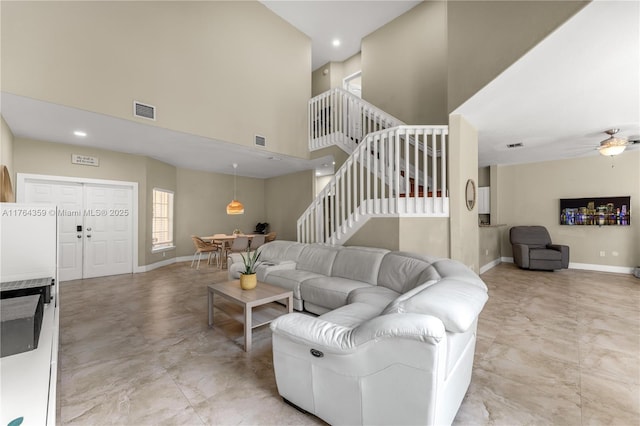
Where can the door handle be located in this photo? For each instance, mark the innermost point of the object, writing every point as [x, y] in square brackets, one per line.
[79, 236]
[89, 236]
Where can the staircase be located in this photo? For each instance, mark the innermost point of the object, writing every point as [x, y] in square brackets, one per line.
[394, 170]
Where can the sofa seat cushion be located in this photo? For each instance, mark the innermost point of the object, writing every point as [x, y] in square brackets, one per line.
[265, 268]
[544, 254]
[290, 279]
[352, 315]
[376, 296]
[329, 292]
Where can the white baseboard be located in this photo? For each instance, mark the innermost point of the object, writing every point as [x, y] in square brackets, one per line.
[493, 263]
[601, 268]
[156, 265]
[590, 267]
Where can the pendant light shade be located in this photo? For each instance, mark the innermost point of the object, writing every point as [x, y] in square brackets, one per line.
[235, 206]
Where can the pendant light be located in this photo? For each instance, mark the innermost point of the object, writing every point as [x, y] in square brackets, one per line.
[235, 206]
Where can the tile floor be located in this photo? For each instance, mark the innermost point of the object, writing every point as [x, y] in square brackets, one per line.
[559, 348]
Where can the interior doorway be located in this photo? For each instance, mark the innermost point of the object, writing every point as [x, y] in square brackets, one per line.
[353, 83]
[97, 223]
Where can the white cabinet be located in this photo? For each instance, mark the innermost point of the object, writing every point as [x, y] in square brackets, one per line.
[484, 200]
[28, 242]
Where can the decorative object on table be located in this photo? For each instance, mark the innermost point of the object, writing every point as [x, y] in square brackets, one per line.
[261, 228]
[470, 194]
[237, 231]
[248, 279]
[235, 206]
[595, 211]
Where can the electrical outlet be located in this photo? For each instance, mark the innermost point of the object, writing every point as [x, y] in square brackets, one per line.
[164, 254]
[614, 253]
[602, 254]
[486, 252]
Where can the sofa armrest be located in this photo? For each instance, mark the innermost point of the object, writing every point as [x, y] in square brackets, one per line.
[521, 255]
[334, 338]
[564, 251]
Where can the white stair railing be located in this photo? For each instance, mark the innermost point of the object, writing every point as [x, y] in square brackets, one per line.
[382, 177]
[337, 117]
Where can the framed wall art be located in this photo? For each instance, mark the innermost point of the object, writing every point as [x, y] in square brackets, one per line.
[598, 211]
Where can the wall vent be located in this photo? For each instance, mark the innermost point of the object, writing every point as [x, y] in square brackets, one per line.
[144, 111]
[261, 141]
[515, 145]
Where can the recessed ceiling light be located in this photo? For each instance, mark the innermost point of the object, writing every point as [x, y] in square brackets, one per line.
[335, 42]
[80, 133]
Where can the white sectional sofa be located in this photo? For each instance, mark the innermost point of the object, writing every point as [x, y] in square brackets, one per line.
[394, 339]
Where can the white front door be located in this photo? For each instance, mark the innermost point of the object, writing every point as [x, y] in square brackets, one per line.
[68, 198]
[95, 225]
[108, 231]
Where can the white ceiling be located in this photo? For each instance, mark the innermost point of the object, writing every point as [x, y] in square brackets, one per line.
[347, 21]
[557, 100]
[561, 96]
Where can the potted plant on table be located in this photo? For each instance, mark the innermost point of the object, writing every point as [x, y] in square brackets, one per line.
[248, 280]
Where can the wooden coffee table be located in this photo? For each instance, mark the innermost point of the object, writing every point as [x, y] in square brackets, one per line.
[256, 306]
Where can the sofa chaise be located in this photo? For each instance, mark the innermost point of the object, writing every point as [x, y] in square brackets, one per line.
[393, 340]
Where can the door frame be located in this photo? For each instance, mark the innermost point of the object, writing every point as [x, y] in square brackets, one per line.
[22, 178]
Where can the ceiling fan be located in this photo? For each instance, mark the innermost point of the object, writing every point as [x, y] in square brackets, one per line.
[616, 145]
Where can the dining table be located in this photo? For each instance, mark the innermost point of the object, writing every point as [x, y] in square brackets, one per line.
[226, 240]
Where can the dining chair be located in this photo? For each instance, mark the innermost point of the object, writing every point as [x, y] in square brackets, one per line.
[257, 241]
[271, 236]
[239, 244]
[203, 246]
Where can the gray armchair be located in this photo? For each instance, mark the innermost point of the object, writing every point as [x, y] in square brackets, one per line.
[532, 249]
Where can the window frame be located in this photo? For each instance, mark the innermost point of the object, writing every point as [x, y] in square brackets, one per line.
[170, 219]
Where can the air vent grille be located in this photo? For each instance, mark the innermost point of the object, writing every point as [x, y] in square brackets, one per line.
[144, 111]
[261, 141]
[515, 145]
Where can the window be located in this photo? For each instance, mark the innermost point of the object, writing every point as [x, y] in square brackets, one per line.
[162, 221]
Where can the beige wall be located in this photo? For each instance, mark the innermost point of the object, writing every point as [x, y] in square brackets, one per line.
[221, 69]
[200, 197]
[490, 239]
[425, 236]
[201, 206]
[463, 165]
[404, 65]
[486, 37]
[6, 150]
[530, 194]
[382, 232]
[332, 74]
[47, 158]
[286, 198]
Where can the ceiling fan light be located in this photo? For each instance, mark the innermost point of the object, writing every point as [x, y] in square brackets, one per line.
[611, 150]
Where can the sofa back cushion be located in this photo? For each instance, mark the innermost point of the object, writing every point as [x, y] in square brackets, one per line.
[533, 236]
[279, 250]
[358, 263]
[457, 299]
[399, 271]
[317, 258]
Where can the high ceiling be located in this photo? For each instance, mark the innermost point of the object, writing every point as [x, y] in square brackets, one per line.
[560, 97]
[557, 100]
[347, 21]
